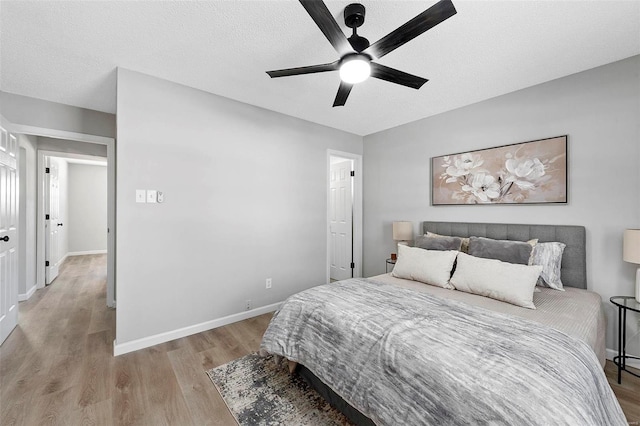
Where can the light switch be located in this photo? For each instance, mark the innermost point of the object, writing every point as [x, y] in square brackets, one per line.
[141, 196]
[152, 195]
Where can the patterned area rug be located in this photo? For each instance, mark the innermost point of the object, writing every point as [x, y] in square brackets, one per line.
[259, 391]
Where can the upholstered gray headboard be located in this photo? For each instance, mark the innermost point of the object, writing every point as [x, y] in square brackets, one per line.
[574, 262]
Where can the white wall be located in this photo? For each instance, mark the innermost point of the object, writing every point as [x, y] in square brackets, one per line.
[72, 147]
[28, 201]
[245, 200]
[599, 110]
[87, 230]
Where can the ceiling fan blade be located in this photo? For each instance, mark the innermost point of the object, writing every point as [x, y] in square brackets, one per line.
[428, 19]
[395, 76]
[304, 70]
[343, 94]
[329, 27]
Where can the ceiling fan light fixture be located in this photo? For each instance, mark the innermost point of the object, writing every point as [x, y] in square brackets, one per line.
[355, 69]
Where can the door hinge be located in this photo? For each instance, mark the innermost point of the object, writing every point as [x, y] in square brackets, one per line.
[46, 263]
[46, 170]
[353, 173]
[353, 265]
[46, 217]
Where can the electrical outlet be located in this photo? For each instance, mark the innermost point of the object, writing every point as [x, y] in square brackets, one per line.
[268, 282]
[248, 305]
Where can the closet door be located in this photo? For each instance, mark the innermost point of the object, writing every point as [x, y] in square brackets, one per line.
[8, 233]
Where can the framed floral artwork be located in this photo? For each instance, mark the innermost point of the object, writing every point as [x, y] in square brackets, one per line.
[522, 173]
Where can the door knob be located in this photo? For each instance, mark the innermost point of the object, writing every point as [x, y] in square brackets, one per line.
[5, 238]
[60, 224]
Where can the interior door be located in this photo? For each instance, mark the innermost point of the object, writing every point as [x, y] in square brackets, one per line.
[341, 220]
[53, 224]
[8, 233]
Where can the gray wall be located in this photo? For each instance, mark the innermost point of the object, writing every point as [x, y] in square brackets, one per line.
[598, 109]
[28, 201]
[51, 115]
[245, 200]
[87, 230]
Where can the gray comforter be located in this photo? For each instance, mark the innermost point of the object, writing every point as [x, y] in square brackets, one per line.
[405, 358]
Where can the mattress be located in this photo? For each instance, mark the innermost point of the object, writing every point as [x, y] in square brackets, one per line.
[575, 311]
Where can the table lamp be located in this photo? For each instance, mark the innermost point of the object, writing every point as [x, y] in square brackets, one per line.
[631, 253]
[403, 232]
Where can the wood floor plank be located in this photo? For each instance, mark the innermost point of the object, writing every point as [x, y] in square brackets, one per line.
[217, 356]
[57, 367]
[10, 364]
[162, 391]
[205, 404]
[15, 414]
[51, 409]
[128, 402]
[97, 414]
[97, 366]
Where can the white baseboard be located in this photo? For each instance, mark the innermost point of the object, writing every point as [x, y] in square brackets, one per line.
[145, 342]
[28, 294]
[82, 253]
[634, 363]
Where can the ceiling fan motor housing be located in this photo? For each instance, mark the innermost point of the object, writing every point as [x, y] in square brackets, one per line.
[353, 18]
[354, 15]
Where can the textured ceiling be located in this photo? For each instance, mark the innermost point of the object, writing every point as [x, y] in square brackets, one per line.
[67, 52]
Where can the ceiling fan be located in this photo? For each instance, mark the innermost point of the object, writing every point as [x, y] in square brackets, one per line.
[357, 56]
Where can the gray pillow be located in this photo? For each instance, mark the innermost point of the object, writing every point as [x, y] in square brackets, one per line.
[438, 243]
[505, 250]
[549, 256]
[465, 241]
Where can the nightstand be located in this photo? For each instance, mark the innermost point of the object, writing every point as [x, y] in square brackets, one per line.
[624, 303]
[389, 262]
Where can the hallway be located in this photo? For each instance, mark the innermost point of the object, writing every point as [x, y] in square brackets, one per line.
[56, 353]
[57, 367]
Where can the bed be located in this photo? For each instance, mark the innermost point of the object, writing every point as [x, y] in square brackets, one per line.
[386, 350]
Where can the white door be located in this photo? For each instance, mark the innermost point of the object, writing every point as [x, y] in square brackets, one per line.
[340, 220]
[8, 233]
[53, 224]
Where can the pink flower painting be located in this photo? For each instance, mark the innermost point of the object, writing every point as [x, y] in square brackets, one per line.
[523, 173]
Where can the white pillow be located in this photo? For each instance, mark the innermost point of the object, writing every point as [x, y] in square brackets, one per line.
[508, 282]
[428, 266]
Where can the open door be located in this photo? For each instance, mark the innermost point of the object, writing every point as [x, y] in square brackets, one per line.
[53, 223]
[8, 233]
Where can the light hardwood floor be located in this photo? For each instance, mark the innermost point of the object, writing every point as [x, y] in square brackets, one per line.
[57, 365]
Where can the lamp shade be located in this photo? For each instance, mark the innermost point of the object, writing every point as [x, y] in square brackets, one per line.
[355, 69]
[631, 246]
[402, 231]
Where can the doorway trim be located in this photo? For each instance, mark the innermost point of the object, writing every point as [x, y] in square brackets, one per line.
[111, 199]
[357, 211]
